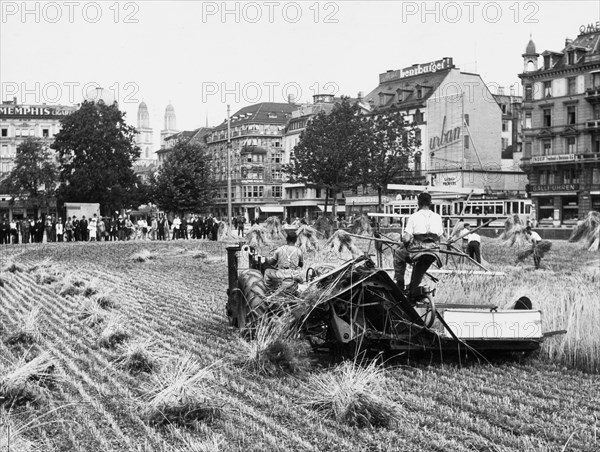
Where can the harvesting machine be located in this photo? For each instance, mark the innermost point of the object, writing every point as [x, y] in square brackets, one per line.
[357, 307]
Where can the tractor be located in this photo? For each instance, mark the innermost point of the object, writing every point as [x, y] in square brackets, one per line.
[357, 307]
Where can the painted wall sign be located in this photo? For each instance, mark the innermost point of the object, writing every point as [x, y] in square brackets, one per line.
[555, 187]
[445, 138]
[552, 158]
[24, 110]
[426, 68]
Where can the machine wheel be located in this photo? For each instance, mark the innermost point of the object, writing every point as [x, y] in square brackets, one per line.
[250, 302]
[425, 306]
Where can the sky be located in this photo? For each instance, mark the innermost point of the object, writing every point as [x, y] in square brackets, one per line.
[202, 56]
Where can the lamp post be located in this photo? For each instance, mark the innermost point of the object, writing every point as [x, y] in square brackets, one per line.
[229, 207]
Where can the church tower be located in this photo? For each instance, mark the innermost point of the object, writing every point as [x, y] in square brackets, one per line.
[145, 136]
[530, 57]
[170, 127]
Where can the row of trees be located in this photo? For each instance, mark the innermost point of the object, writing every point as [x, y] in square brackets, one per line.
[95, 151]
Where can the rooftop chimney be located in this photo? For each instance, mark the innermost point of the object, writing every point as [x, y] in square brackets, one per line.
[291, 98]
[360, 95]
[568, 41]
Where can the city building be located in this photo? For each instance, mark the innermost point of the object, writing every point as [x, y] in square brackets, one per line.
[512, 133]
[458, 124]
[561, 128]
[257, 157]
[298, 199]
[17, 123]
[145, 137]
[193, 136]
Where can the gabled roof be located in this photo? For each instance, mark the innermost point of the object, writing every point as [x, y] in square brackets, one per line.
[262, 113]
[393, 90]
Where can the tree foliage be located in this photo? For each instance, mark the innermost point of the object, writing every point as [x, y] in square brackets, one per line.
[328, 154]
[35, 174]
[184, 182]
[96, 150]
[391, 143]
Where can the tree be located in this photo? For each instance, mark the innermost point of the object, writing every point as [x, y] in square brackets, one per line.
[329, 150]
[34, 176]
[96, 150]
[184, 182]
[391, 143]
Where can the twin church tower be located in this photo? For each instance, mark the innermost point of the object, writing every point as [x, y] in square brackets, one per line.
[145, 137]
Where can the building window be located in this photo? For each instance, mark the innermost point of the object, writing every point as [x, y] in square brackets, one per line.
[418, 117]
[527, 151]
[276, 191]
[543, 178]
[45, 133]
[418, 165]
[547, 112]
[466, 145]
[547, 147]
[4, 152]
[528, 120]
[419, 93]
[548, 88]
[571, 116]
[546, 61]
[571, 57]
[528, 92]
[4, 132]
[596, 79]
[504, 125]
[571, 86]
[596, 111]
[595, 176]
[467, 119]
[504, 143]
[276, 157]
[571, 145]
[418, 137]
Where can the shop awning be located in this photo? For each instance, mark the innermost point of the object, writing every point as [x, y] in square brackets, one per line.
[271, 209]
[341, 209]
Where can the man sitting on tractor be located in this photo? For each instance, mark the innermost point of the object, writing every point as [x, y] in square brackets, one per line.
[420, 244]
[285, 262]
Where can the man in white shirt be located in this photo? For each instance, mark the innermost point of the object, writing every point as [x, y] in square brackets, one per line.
[473, 244]
[535, 240]
[421, 244]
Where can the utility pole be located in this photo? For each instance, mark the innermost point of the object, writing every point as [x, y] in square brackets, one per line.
[229, 206]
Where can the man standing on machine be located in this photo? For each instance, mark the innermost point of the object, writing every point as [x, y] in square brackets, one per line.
[420, 244]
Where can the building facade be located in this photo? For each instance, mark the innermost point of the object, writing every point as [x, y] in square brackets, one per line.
[17, 123]
[459, 125]
[561, 128]
[257, 158]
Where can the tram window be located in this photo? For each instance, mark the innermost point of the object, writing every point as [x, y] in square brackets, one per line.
[487, 210]
[468, 209]
[528, 209]
[499, 209]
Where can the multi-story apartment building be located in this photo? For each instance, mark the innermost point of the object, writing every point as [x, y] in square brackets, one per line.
[300, 200]
[458, 123]
[257, 157]
[17, 123]
[512, 133]
[561, 128]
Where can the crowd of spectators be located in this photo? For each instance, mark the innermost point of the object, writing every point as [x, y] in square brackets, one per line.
[116, 228]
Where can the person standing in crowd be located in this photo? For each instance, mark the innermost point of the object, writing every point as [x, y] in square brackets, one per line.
[59, 228]
[4, 231]
[240, 225]
[53, 230]
[209, 227]
[121, 228]
[183, 232]
[39, 229]
[83, 226]
[25, 230]
[215, 229]
[93, 228]
[48, 228]
[14, 231]
[473, 244]
[153, 227]
[160, 227]
[176, 226]
[113, 228]
[69, 230]
[76, 229]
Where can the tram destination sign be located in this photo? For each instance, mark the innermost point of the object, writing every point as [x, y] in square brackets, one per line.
[555, 187]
